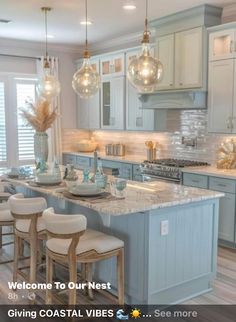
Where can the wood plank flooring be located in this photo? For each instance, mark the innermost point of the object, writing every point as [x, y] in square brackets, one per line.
[224, 287]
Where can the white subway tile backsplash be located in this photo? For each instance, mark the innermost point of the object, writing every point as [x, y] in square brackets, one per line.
[190, 123]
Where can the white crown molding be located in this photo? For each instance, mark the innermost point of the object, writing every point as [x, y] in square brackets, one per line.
[6, 43]
[126, 41]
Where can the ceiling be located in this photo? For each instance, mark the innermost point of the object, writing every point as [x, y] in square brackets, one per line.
[109, 18]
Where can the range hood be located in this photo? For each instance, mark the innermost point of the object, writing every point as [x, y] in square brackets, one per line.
[175, 100]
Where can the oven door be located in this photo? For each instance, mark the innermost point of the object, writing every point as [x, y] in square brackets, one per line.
[151, 178]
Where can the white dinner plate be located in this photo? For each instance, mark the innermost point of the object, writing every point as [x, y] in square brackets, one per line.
[81, 193]
[53, 183]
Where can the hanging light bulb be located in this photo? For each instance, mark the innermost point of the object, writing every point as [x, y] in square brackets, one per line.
[48, 86]
[145, 71]
[86, 81]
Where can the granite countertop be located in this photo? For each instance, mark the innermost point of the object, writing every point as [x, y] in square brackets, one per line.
[134, 159]
[140, 197]
[211, 171]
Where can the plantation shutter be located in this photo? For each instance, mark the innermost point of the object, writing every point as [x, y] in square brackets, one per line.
[3, 149]
[25, 92]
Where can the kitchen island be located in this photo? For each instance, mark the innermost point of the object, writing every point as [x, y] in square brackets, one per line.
[170, 234]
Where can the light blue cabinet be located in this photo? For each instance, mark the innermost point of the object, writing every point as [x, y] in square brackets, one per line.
[69, 159]
[137, 176]
[81, 162]
[227, 213]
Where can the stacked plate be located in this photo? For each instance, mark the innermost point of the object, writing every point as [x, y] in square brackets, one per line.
[47, 179]
[86, 190]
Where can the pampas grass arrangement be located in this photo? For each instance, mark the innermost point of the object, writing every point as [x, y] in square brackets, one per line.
[39, 115]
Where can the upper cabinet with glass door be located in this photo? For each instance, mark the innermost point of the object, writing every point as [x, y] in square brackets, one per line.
[88, 110]
[112, 65]
[137, 118]
[222, 44]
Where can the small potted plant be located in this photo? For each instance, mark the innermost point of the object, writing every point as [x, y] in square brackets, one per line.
[40, 116]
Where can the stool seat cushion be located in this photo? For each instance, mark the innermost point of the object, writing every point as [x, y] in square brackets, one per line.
[4, 195]
[5, 215]
[91, 240]
[23, 225]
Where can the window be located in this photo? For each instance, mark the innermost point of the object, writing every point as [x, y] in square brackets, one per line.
[16, 137]
[3, 150]
[25, 92]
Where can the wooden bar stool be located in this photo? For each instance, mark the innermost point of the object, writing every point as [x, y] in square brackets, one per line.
[70, 242]
[29, 226]
[6, 220]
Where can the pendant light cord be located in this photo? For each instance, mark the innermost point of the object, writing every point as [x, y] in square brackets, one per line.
[86, 51]
[46, 33]
[86, 25]
[46, 60]
[146, 34]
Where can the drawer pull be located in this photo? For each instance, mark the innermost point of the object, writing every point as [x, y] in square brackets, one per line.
[222, 185]
[196, 181]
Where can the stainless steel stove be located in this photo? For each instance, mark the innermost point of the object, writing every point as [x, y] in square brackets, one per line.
[166, 169]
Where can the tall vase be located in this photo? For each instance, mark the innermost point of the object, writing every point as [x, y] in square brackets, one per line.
[41, 146]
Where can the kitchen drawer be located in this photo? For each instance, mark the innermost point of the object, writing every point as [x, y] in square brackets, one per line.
[195, 180]
[82, 162]
[137, 176]
[69, 159]
[221, 184]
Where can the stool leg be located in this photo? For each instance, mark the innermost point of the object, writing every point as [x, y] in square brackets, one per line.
[33, 266]
[73, 278]
[49, 278]
[90, 279]
[33, 259]
[16, 256]
[0, 236]
[21, 247]
[120, 276]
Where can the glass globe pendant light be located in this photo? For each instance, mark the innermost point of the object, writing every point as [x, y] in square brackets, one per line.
[48, 86]
[145, 71]
[86, 81]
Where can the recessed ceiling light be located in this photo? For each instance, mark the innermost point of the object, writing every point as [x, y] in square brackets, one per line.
[5, 21]
[50, 36]
[129, 6]
[88, 23]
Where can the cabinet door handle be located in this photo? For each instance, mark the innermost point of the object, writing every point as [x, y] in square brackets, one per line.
[222, 185]
[229, 123]
[181, 84]
[231, 46]
[172, 84]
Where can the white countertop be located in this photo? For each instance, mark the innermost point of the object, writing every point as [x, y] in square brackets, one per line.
[134, 159]
[140, 197]
[212, 171]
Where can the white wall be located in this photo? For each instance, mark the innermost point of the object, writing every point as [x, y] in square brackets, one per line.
[67, 57]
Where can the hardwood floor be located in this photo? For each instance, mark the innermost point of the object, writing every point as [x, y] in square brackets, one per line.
[224, 287]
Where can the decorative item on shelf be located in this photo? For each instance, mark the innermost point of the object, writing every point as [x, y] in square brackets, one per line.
[119, 150]
[227, 155]
[100, 177]
[70, 176]
[145, 71]
[86, 81]
[151, 150]
[48, 86]
[41, 118]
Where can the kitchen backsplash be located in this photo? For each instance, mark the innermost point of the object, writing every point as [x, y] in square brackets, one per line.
[188, 123]
[70, 138]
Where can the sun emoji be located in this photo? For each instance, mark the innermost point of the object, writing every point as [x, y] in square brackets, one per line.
[136, 313]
